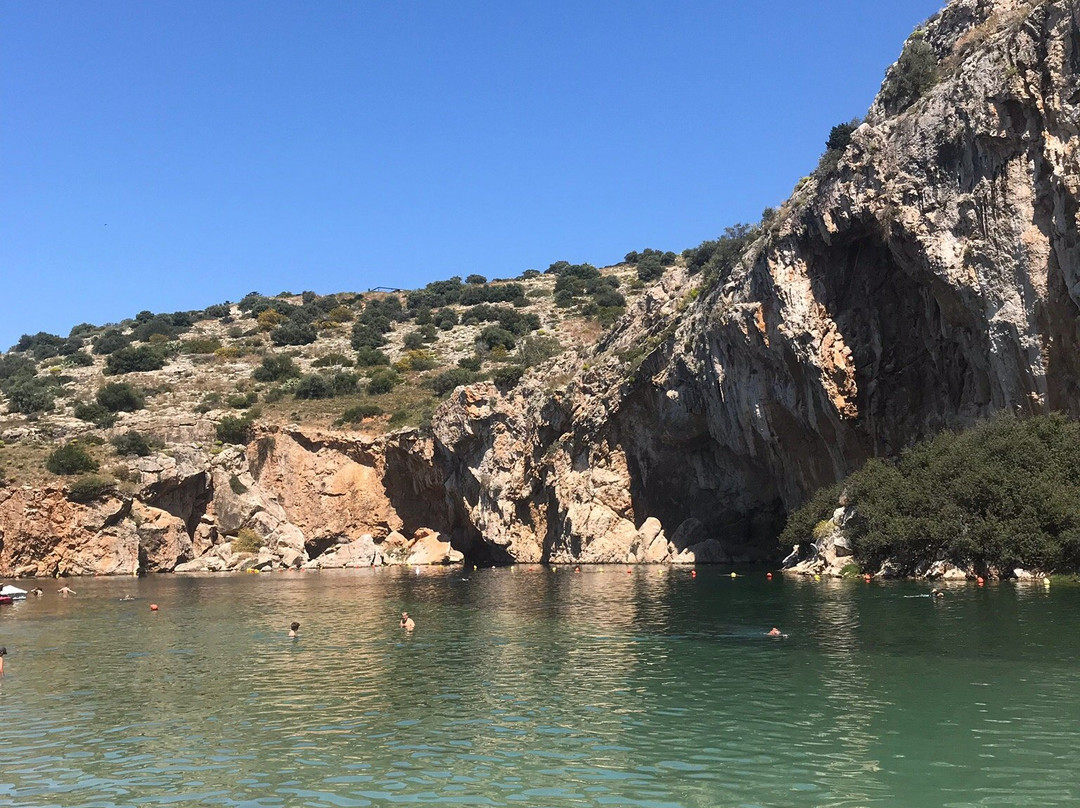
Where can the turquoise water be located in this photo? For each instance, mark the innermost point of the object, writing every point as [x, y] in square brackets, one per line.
[539, 688]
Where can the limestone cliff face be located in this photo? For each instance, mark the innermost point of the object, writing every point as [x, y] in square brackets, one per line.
[930, 279]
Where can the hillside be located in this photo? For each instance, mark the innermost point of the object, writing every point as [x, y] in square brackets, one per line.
[924, 277]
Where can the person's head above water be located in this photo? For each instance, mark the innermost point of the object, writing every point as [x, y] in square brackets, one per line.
[295, 627]
[3, 650]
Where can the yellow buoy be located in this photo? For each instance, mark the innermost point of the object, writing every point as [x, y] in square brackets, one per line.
[733, 575]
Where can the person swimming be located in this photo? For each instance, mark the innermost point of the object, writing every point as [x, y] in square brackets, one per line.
[774, 632]
[294, 629]
[3, 653]
[65, 591]
[407, 622]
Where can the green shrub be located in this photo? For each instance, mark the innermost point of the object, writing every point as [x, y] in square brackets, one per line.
[508, 376]
[30, 394]
[314, 386]
[121, 397]
[649, 269]
[719, 257]
[201, 345]
[332, 360]
[371, 357]
[94, 413]
[12, 366]
[473, 363]
[110, 340]
[134, 443]
[420, 360]
[840, 136]
[241, 401]
[71, 458]
[89, 488]
[217, 311]
[343, 383]
[382, 381]
[493, 335]
[413, 341]
[232, 429]
[450, 379]
[914, 73]
[802, 522]
[274, 368]
[139, 359]
[366, 336]
[1004, 494]
[536, 349]
[446, 319]
[359, 412]
[294, 333]
[476, 279]
[247, 541]
[78, 360]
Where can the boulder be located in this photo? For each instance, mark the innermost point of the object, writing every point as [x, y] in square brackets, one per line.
[709, 551]
[430, 549]
[690, 531]
[163, 538]
[361, 552]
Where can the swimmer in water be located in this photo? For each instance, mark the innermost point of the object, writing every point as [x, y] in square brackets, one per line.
[937, 593]
[294, 629]
[65, 591]
[775, 632]
[3, 653]
[407, 622]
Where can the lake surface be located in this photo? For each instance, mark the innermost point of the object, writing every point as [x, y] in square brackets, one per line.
[539, 688]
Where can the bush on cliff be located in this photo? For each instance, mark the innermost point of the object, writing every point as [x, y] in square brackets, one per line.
[94, 413]
[914, 73]
[121, 397]
[71, 458]
[134, 360]
[233, 429]
[134, 443]
[246, 541]
[90, 487]
[275, 368]
[1004, 494]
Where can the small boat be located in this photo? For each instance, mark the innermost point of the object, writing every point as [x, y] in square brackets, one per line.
[13, 592]
[6, 599]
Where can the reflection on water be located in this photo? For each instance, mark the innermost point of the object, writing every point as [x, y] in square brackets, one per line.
[537, 688]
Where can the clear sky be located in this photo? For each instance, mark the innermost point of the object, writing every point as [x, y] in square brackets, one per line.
[171, 154]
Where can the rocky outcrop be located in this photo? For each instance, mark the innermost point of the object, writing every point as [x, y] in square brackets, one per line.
[930, 279]
[926, 277]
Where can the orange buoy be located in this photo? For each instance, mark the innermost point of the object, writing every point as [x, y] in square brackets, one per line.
[628, 570]
[768, 576]
[693, 573]
[866, 577]
[153, 607]
[979, 581]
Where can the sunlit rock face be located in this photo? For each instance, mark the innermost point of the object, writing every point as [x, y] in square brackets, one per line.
[930, 279]
[926, 277]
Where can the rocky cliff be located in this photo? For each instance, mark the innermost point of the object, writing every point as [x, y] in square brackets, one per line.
[925, 277]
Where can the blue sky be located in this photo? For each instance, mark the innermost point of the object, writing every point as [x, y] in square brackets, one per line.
[173, 154]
